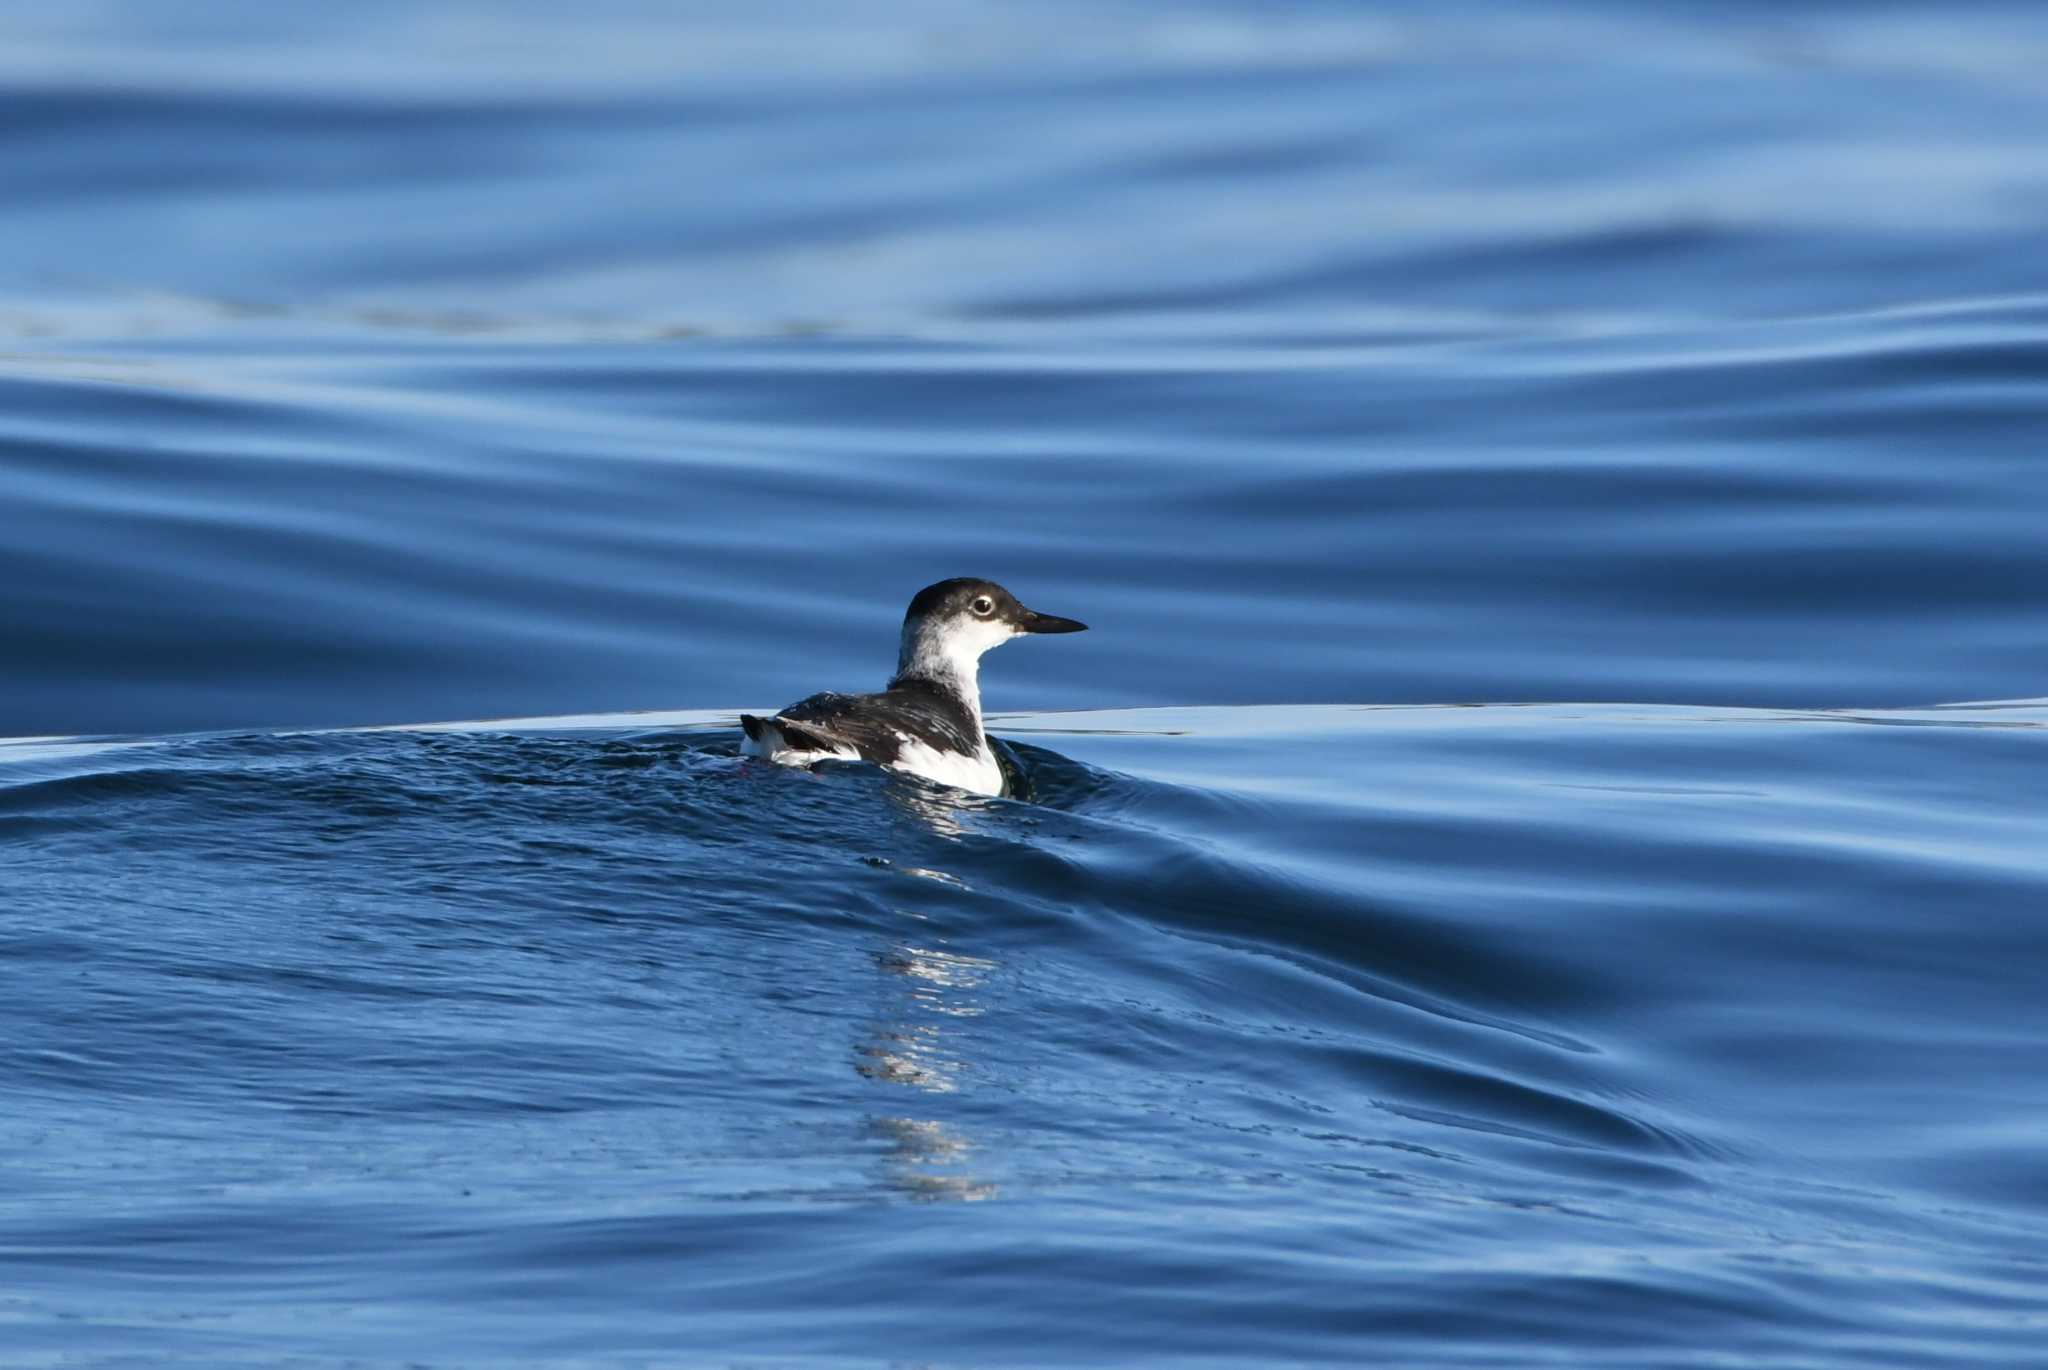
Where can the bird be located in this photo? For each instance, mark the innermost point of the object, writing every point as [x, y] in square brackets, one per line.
[928, 720]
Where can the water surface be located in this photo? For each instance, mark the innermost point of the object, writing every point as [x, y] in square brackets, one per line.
[1509, 879]
[1461, 1036]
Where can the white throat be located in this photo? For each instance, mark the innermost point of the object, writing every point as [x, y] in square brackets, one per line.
[948, 653]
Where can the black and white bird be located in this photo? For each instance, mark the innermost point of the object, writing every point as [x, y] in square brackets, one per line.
[928, 721]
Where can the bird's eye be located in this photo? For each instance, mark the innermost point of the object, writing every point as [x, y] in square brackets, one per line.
[984, 606]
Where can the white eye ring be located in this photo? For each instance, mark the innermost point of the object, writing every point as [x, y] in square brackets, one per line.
[983, 606]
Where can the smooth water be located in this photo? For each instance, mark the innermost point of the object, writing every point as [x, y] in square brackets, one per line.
[1366, 380]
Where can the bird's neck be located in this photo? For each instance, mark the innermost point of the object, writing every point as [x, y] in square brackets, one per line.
[948, 665]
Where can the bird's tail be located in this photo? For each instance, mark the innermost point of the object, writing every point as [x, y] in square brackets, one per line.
[772, 735]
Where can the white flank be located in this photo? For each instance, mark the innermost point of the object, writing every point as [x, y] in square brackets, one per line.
[979, 772]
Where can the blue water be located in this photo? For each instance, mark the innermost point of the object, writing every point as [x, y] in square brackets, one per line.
[1541, 859]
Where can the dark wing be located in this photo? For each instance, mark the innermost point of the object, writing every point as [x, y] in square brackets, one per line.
[827, 721]
[792, 736]
[875, 725]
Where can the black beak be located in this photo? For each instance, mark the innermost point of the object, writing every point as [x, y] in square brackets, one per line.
[1034, 622]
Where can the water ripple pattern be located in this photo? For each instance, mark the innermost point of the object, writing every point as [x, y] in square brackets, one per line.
[1540, 860]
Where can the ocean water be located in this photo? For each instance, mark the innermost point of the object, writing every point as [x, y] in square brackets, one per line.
[1542, 858]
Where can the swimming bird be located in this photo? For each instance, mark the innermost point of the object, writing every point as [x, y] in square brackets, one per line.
[928, 721]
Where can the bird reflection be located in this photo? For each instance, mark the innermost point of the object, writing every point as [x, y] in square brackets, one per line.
[927, 1158]
[920, 1150]
[939, 810]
